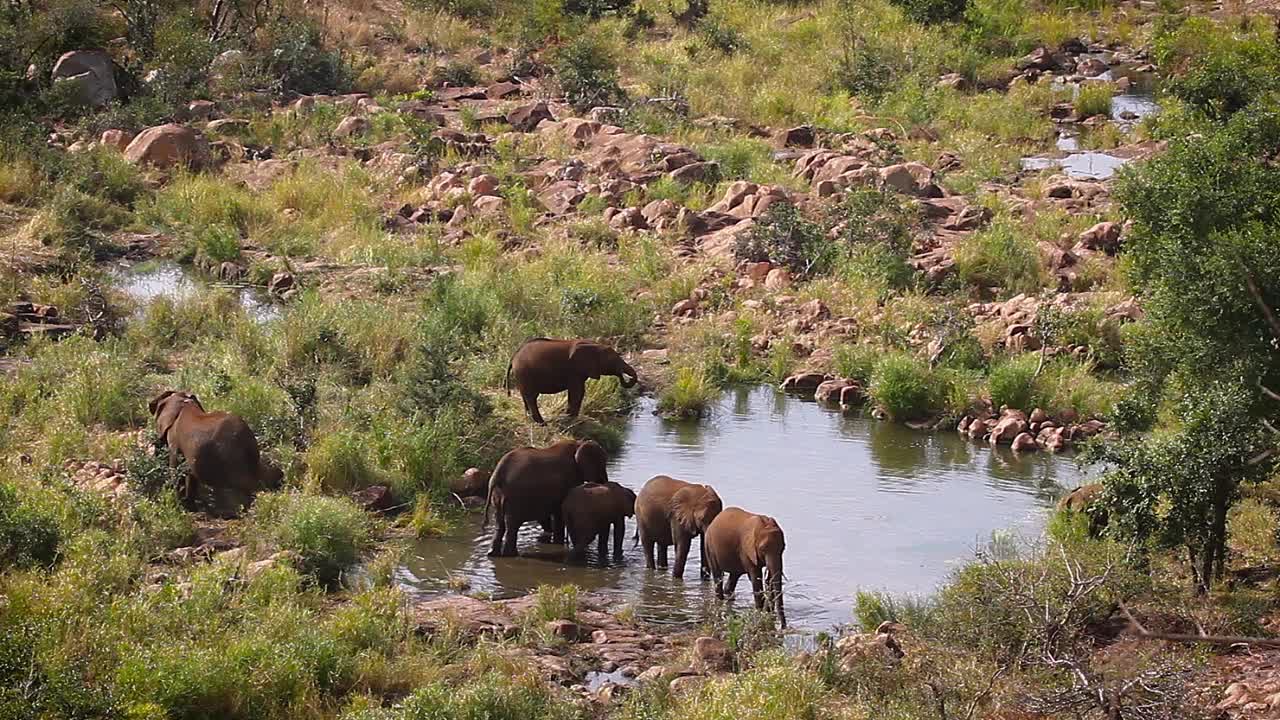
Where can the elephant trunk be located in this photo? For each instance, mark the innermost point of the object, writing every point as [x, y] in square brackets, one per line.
[773, 590]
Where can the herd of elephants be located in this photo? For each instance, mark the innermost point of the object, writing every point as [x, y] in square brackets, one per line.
[564, 486]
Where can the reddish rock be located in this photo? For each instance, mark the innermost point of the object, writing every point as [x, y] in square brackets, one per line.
[165, 146]
[488, 205]
[804, 382]
[711, 655]
[375, 498]
[1024, 442]
[778, 279]
[483, 185]
[566, 630]
[800, 136]
[351, 126]
[696, 172]
[685, 308]
[1104, 236]
[525, 118]
[498, 91]
[1011, 424]
[911, 178]
[118, 139]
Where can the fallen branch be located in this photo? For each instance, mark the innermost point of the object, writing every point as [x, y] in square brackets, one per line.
[1142, 632]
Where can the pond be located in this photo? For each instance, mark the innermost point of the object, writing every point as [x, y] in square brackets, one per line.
[149, 280]
[864, 504]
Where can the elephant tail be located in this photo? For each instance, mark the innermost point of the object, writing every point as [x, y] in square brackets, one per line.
[495, 481]
[506, 382]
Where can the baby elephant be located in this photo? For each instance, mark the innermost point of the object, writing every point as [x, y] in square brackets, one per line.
[589, 510]
[742, 543]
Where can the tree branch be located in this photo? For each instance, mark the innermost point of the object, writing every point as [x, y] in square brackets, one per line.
[1262, 305]
[1142, 632]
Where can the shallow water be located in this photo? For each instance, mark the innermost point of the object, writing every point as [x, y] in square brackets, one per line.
[147, 281]
[864, 505]
[1079, 165]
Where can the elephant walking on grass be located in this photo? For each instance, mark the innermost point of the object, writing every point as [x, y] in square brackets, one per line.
[742, 543]
[220, 449]
[543, 366]
[590, 510]
[530, 485]
[673, 512]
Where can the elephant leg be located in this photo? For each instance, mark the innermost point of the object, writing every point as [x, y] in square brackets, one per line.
[757, 589]
[646, 543]
[509, 544]
[717, 579]
[501, 521]
[682, 556]
[557, 529]
[619, 532]
[531, 406]
[732, 585]
[703, 572]
[548, 529]
[577, 390]
[662, 556]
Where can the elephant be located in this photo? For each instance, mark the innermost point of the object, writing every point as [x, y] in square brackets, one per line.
[674, 512]
[543, 366]
[590, 510]
[742, 543]
[1086, 499]
[529, 484]
[220, 449]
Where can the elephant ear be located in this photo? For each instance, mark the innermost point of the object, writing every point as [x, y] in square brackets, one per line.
[155, 402]
[587, 358]
[684, 510]
[592, 462]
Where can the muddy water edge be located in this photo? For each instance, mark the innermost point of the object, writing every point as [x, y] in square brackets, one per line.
[865, 505]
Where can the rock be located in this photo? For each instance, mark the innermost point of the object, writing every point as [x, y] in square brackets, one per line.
[1038, 416]
[685, 308]
[1078, 500]
[777, 279]
[498, 91]
[165, 146]
[227, 125]
[281, 283]
[653, 674]
[566, 630]
[118, 139]
[804, 382]
[813, 311]
[880, 647]
[483, 185]
[758, 272]
[200, 109]
[375, 498]
[627, 218]
[606, 115]
[351, 126]
[910, 178]
[525, 118]
[1024, 442]
[472, 483]
[799, 136]
[1091, 67]
[1104, 236]
[686, 684]
[712, 655]
[955, 81]
[697, 172]
[1011, 424]
[254, 569]
[226, 62]
[489, 205]
[92, 71]
[831, 391]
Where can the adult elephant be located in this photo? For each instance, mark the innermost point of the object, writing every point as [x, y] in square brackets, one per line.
[530, 484]
[589, 511]
[220, 449]
[674, 512]
[742, 543]
[543, 366]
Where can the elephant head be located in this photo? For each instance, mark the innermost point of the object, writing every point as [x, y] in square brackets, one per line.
[694, 507]
[591, 462]
[592, 360]
[764, 549]
[166, 407]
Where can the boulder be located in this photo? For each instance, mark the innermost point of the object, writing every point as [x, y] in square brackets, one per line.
[1091, 67]
[685, 308]
[686, 684]
[804, 382]
[1024, 442]
[910, 178]
[833, 391]
[955, 81]
[1038, 416]
[498, 91]
[351, 126]
[375, 498]
[697, 172]
[92, 71]
[471, 483]
[777, 279]
[281, 283]
[1078, 500]
[1011, 424]
[712, 655]
[525, 118]
[165, 146]
[488, 205]
[1052, 439]
[566, 630]
[799, 136]
[118, 139]
[1104, 236]
[653, 674]
[227, 125]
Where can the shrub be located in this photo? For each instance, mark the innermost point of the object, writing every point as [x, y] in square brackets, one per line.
[857, 362]
[1093, 99]
[556, 602]
[932, 11]
[784, 236]
[587, 72]
[339, 461]
[1012, 382]
[328, 534]
[29, 530]
[1001, 255]
[296, 60]
[689, 394]
[904, 387]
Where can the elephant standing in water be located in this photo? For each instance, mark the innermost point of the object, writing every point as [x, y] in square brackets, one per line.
[220, 449]
[674, 512]
[543, 366]
[530, 484]
[742, 543]
[590, 510]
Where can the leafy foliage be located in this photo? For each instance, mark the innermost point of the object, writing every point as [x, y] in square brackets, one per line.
[587, 72]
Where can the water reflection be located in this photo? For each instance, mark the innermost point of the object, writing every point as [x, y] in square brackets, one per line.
[147, 281]
[865, 504]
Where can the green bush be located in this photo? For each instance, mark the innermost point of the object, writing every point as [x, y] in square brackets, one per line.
[690, 393]
[932, 11]
[339, 461]
[295, 59]
[587, 73]
[904, 387]
[784, 236]
[1001, 255]
[1012, 382]
[1093, 99]
[857, 362]
[328, 534]
[1218, 69]
[29, 530]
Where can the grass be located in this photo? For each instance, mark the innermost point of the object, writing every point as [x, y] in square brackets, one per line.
[327, 534]
[1093, 99]
[904, 387]
[555, 602]
[1001, 255]
[690, 393]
